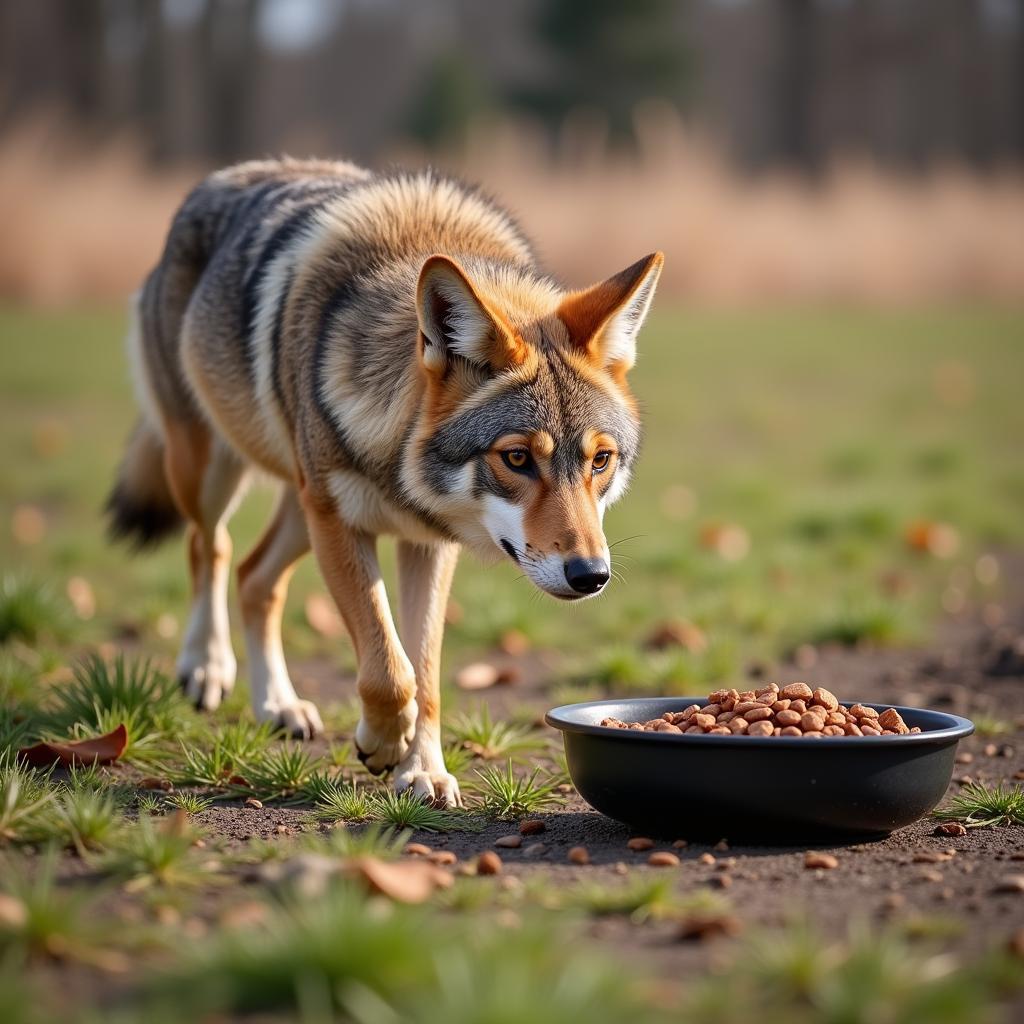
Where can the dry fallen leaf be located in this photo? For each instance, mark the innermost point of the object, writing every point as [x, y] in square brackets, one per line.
[323, 616]
[81, 596]
[28, 525]
[101, 750]
[408, 881]
[678, 633]
[931, 538]
[729, 541]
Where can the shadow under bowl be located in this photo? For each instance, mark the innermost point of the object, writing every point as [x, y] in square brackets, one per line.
[762, 789]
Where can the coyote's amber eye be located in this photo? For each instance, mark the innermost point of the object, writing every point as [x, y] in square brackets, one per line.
[517, 459]
[601, 460]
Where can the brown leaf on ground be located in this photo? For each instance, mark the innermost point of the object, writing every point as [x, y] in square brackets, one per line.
[937, 539]
[482, 675]
[701, 927]
[101, 750]
[407, 881]
[678, 633]
[727, 540]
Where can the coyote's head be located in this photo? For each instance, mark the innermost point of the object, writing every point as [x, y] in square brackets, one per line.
[529, 431]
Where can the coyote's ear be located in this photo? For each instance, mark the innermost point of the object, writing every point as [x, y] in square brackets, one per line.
[603, 320]
[456, 321]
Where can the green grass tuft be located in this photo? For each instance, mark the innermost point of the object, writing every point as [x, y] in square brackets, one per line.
[977, 805]
[30, 611]
[478, 733]
[103, 695]
[504, 794]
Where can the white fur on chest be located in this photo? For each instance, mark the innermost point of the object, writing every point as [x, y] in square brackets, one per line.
[363, 506]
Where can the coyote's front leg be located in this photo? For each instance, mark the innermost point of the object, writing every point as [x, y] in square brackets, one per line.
[424, 579]
[386, 681]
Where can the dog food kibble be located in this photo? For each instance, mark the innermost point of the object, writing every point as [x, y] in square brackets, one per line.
[791, 710]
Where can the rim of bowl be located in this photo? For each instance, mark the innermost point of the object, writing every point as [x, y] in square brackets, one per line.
[560, 718]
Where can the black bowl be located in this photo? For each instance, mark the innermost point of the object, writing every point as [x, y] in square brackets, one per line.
[764, 789]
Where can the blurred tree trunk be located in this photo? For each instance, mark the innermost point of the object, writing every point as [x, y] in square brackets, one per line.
[150, 98]
[229, 56]
[81, 45]
[796, 84]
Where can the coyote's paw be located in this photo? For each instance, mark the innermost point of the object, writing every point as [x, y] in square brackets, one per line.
[207, 680]
[382, 741]
[300, 719]
[423, 772]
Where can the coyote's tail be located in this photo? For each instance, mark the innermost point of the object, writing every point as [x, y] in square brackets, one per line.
[141, 508]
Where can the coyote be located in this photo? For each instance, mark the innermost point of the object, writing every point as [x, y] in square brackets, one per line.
[385, 346]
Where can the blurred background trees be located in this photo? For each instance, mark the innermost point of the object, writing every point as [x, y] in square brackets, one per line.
[775, 82]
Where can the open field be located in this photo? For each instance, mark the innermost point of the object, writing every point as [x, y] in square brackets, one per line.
[825, 493]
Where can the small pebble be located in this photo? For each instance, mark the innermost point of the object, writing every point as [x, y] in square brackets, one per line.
[509, 842]
[443, 857]
[721, 846]
[680, 844]
[253, 802]
[488, 863]
[532, 826]
[663, 859]
[706, 858]
[578, 855]
[950, 828]
[640, 843]
[720, 881]
[1010, 884]
[418, 850]
[813, 859]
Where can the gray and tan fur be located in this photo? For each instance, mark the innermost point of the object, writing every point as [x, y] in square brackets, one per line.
[385, 346]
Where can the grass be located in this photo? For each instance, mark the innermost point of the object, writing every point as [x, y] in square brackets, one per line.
[339, 801]
[25, 802]
[190, 803]
[504, 794]
[103, 695]
[153, 853]
[30, 611]
[978, 805]
[486, 738]
[820, 432]
[277, 773]
[88, 818]
[990, 726]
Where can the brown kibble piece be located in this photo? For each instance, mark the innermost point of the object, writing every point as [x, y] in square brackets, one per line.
[797, 691]
[950, 828]
[738, 726]
[640, 843]
[531, 826]
[703, 721]
[798, 705]
[825, 861]
[825, 698]
[488, 863]
[809, 722]
[792, 730]
[787, 718]
[760, 714]
[417, 850]
[862, 711]
[760, 729]
[663, 859]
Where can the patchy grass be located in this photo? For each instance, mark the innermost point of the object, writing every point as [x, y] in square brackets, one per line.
[477, 732]
[26, 802]
[978, 805]
[30, 611]
[103, 695]
[504, 794]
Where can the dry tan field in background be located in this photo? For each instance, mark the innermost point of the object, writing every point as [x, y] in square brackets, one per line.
[84, 224]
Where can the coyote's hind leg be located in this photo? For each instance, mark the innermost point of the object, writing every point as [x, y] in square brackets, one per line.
[205, 478]
[262, 588]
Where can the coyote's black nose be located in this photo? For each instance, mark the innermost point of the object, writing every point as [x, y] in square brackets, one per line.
[586, 575]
